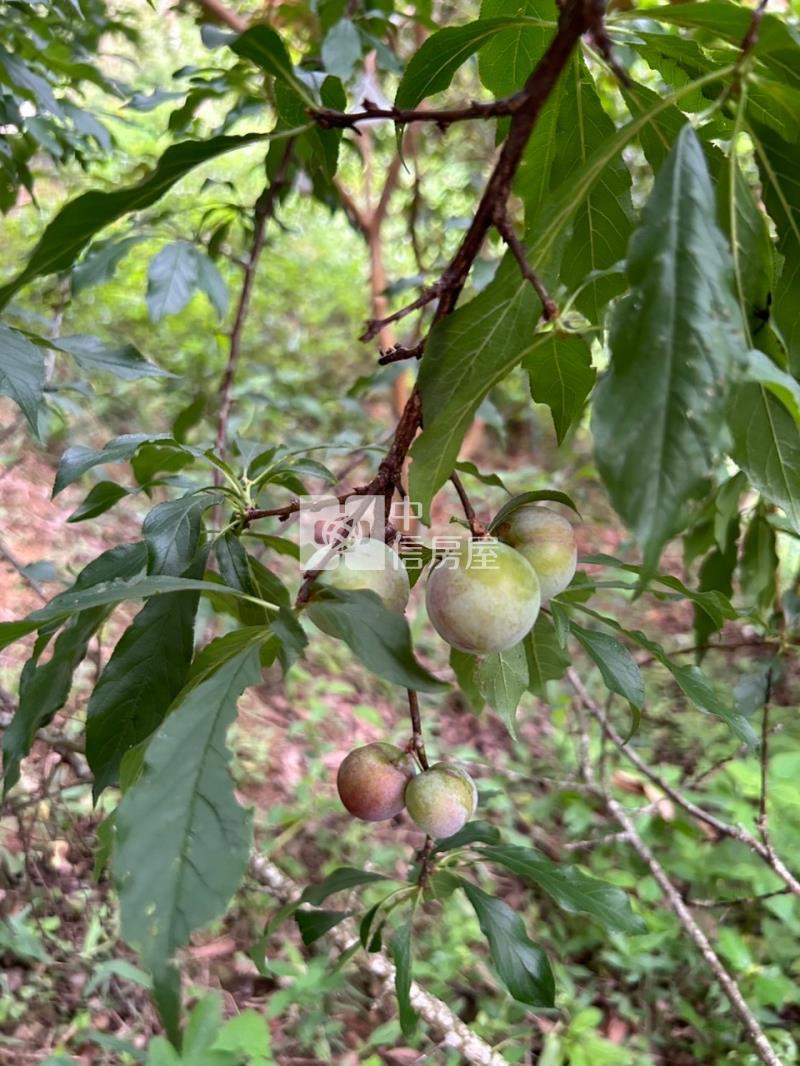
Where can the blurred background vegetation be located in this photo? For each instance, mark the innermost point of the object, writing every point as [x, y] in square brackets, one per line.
[69, 990]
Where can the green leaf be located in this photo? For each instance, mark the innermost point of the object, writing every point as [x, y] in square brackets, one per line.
[124, 361]
[341, 49]
[99, 500]
[465, 668]
[778, 162]
[766, 445]
[508, 57]
[659, 411]
[44, 688]
[74, 226]
[503, 679]
[346, 877]
[400, 947]
[466, 467]
[171, 279]
[431, 69]
[762, 370]
[521, 964]
[22, 374]
[525, 498]
[100, 263]
[182, 838]
[234, 568]
[264, 47]
[171, 532]
[473, 833]
[546, 658]
[314, 924]
[76, 461]
[467, 353]
[378, 637]
[561, 375]
[572, 890]
[759, 563]
[601, 225]
[617, 666]
[210, 281]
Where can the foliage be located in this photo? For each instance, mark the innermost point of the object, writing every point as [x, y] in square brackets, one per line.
[653, 292]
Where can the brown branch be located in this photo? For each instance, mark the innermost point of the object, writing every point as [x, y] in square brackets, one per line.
[398, 352]
[729, 986]
[221, 13]
[734, 832]
[476, 527]
[738, 901]
[329, 119]
[750, 39]
[517, 249]
[263, 211]
[6, 554]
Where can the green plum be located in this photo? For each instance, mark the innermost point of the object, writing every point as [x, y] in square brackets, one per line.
[441, 800]
[371, 781]
[547, 540]
[371, 564]
[484, 599]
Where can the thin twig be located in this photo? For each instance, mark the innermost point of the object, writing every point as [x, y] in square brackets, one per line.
[263, 211]
[517, 249]
[399, 352]
[329, 119]
[750, 39]
[476, 527]
[735, 832]
[737, 901]
[729, 986]
[417, 740]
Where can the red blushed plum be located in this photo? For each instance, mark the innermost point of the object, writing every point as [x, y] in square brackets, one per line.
[372, 780]
[441, 800]
[547, 540]
[483, 604]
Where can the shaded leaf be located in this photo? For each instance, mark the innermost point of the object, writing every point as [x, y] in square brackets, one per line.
[314, 924]
[561, 375]
[617, 666]
[546, 658]
[99, 500]
[675, 344]
[503, 678]
[340, 880]
[400, 947]
[521, 964]
[22, 374]
[124, 361]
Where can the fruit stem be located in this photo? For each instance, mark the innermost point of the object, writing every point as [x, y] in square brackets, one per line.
[417, 743]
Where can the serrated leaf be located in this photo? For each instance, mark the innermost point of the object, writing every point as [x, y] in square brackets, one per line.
[617, 666]
[99, 500]
[465, 668]
[78, 460]
[508, 57]
[467, 467]
[182, 839]
[572, 890]
[467, 353]
[100, 263]
[400, 947]
[22, 374]
[561, 375]
[546, 658]
[171, 279]
[766, 445]
[123, 361]
[74, 226]
[171, 532]
[503, 679]
[521, 965]
[431, 68]
[761, 369]
[672, 357]
[759, 563]
[262, 45]
[378, 637]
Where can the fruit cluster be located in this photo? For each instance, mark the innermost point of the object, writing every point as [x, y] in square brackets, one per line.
[477, 604]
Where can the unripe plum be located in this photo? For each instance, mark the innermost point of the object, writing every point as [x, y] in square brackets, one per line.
[371, 781]
[371, 564]
[480, 605]
[547, 540]
[441, 800]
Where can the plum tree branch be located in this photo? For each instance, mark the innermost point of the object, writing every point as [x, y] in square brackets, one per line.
[262, 212]
[517, 249]
[476, 527]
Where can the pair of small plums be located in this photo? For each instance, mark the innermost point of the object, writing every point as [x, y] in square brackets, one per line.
[479, 602]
